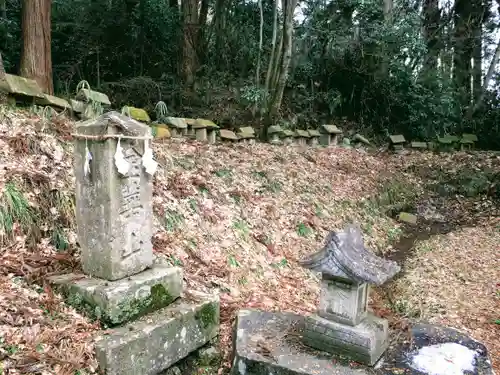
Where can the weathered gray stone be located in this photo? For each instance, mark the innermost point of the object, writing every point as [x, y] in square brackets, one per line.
[117, 302]
[228, 135]
[344, 256]
[113, 213]
[158, 340]
[329, 135]
[314, 137]
[270, 343]
[88, 95]
[201, 134]
[342, 302]
[397, 139]
[408, 218]
[204, 130]
[246, 132]
[16, 85]
[211, 135]
[421, 145]
[53, 101]
[358, 138]
[274, 138]
[364, 343]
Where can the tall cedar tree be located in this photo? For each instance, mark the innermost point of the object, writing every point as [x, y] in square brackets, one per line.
[36, 59]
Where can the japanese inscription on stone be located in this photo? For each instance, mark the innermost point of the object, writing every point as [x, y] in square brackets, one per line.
[114, 213]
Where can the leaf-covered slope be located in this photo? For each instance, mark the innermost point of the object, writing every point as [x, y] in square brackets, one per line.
[235, 217]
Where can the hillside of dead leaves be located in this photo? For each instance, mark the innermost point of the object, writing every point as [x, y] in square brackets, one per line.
[236, 218]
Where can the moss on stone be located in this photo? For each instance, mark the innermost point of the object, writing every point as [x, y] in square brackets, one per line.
[139, 114]
[126, 311]
[136, 307]
[207, 315]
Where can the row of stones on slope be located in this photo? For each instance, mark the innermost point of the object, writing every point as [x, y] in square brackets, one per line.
[155, 323]
[88, 104]
[446, 143]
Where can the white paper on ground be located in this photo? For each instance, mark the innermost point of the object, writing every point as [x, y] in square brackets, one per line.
[444, 359]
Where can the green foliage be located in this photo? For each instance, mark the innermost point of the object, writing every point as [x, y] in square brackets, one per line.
[14, 209]
[347, 63]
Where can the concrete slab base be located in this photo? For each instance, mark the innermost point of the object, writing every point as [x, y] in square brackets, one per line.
[364, 343]
[272, 343]
[117, 302]
[156, 341]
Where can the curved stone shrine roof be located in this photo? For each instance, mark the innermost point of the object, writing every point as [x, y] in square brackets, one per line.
[344, 255]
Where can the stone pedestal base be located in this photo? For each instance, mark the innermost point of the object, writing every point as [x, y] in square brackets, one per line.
[117, 302]
[364, 343]
[201, 135]
[271, 343]
[158, 340]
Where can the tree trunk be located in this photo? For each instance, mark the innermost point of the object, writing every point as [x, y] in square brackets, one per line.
[219, 22]
[286, 53]
[272, 58]
[481, 14]
[446, 53]
[477, 74]
[3, 9]
[189, 54]
[487, 79]
[463, 51]
[384, 67]
[36, 59]
[202, 25]
[2, 68]
[431, 28]
[261, 36]
[388, 6]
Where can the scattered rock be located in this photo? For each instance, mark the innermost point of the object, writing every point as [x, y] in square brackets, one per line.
[408, 218]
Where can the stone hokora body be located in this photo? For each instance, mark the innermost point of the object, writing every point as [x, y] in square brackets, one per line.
[343, 325]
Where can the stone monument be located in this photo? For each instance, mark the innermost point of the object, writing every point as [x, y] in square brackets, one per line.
[123, 286]
[343, 324]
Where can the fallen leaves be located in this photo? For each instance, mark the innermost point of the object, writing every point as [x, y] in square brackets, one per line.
[236, 218]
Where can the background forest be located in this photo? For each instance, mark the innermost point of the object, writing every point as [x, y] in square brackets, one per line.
[417, 67]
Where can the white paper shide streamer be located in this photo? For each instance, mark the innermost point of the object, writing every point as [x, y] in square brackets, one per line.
[148, 162]
[122, 165]
[88, 159]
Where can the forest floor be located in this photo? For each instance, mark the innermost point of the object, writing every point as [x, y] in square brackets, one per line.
[237, 218]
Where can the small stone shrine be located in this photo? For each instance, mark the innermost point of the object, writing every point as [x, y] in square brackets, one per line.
[467, 141]
[343, 338]
[123, 285]
[273, 134]
[314, 136]
[397, 142]
[227, 135]
[205, 130]
[343, 324]
[301, 137]
[329, 135]
[246, 134]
